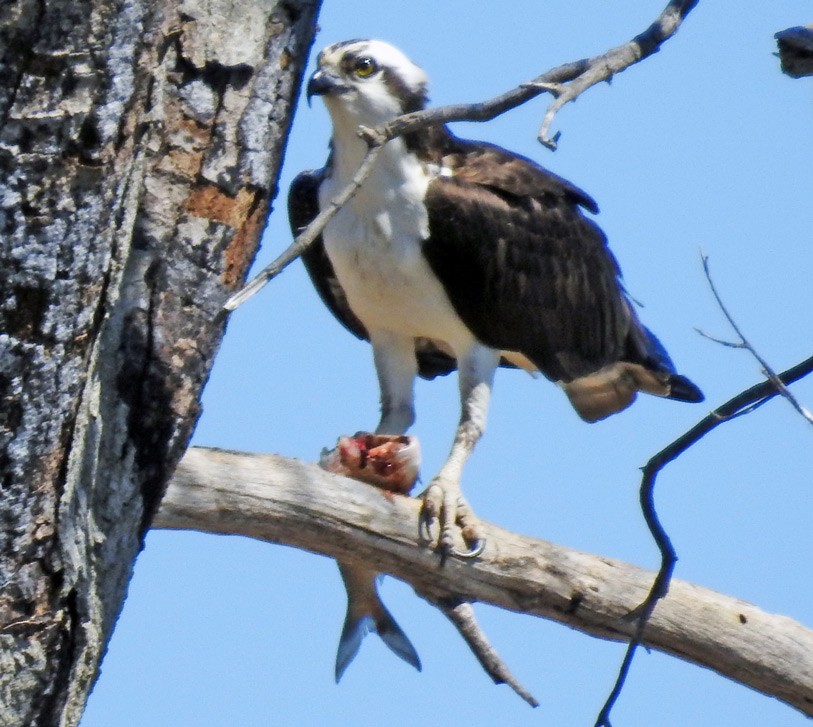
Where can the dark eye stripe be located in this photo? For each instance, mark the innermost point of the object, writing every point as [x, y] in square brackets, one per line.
[411, 99]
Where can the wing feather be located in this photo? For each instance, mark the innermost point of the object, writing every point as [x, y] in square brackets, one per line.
[536, 276]
[303, 207]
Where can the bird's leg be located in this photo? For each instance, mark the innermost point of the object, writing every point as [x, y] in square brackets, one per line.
[397, 368]
[387, 459]
[443, 498]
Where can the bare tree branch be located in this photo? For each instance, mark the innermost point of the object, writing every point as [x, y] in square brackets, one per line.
[284, 501]
[461, 614]
[566, 82]
[770, 374]
[744, 402]
[605, 67]
[308, 235]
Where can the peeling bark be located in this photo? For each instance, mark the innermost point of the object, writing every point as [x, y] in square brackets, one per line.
[140, 143]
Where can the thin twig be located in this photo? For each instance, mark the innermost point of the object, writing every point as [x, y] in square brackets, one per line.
[743, 402]
[311, 232]
[461, 614]
[549, 82]
[746, 344]
[566, 83]
[721, 341]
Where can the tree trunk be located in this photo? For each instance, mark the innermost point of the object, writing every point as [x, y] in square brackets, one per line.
[140, 143]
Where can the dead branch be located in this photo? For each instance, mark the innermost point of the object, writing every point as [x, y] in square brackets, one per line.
[284, 501]
[566, 82]
[461, 614]
[309, 234]
[744, 343]
[743, 403]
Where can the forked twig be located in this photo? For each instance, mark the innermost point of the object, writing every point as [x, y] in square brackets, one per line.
[769, 372]
[614, 61]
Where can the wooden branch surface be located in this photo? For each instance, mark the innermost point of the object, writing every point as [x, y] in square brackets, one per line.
[566, 82]
[284, 501]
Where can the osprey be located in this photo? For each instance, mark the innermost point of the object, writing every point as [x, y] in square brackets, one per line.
[457, 254]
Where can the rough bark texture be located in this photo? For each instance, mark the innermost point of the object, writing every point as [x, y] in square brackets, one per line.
[285, 501]
[140, 142]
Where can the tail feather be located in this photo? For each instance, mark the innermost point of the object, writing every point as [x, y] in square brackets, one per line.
[646, 367]
[658, 361]
[682, 389]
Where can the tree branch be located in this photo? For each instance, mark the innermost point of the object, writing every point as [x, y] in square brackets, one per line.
[284, 501]
[461, 614]
[309, 234]
[566, 82]
[767, 369]
[743, 403]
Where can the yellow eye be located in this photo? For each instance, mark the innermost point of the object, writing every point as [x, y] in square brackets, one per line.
[364, 67]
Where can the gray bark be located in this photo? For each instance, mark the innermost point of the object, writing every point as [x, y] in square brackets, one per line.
[140, 142]
[285, 501]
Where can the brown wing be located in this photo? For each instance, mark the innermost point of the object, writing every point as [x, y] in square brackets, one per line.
[524, 268]
[303, 206]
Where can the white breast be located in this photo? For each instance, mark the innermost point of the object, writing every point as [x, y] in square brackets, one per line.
[374, 243]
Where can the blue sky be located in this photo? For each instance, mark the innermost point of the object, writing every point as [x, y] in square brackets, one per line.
[705, 146]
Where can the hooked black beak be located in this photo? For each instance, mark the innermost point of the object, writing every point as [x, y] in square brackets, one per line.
[323, 83]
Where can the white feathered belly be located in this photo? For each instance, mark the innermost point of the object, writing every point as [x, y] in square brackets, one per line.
[390, 286]
[375, 248]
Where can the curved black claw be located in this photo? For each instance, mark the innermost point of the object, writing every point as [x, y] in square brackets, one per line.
[425, 520]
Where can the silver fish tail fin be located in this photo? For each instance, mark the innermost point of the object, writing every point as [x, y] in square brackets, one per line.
[365, 613]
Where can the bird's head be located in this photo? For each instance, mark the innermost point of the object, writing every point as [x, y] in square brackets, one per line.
[367, 82]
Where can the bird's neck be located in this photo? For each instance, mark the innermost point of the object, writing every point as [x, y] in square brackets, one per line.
[349, 149]
[393, 163]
